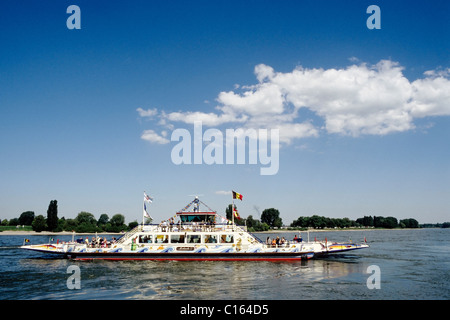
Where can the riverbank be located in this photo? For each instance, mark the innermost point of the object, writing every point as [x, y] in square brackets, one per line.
[337, 230]
[49, 233]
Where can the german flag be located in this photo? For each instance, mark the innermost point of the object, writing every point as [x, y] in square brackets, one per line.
[237, 196]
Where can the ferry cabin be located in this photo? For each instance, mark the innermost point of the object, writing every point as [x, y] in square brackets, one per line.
[193, 229]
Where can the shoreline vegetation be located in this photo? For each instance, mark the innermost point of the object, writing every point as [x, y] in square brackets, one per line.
[21, 232]
[270, 222]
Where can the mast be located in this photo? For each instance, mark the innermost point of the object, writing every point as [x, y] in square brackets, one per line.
[145, 214]
[232, 211]
[143, 211]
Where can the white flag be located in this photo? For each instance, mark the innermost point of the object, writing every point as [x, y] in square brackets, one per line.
[146, 214]
[148, 198]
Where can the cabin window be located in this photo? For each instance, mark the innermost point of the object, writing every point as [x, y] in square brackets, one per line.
[210, 238]
[193, 238]
[145, 239]
[177, 238]
[226, 238]
[162, 238]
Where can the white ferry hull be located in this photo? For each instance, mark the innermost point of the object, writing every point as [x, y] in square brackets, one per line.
[183, 253]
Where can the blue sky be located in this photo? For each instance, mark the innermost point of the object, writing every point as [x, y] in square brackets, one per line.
[364, 114]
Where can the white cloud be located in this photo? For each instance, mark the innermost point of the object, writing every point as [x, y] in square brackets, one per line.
[152, 136]
[431, 96]
[289, 131]
[222, 192]
[208, 119]
[352, 101]
[147, 113]
[265, 99]
[360, 99]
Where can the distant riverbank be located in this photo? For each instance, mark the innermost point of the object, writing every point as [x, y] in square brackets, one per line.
[46, 233]
[335, 230]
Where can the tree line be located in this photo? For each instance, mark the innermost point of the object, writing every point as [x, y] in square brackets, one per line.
[270, 219]
[320, 222]
[85, 222]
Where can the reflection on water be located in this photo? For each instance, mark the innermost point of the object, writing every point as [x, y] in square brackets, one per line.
[214, 280]
[414, 265]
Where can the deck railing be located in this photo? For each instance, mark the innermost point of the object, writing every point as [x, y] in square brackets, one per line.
[129, 234]
[192, 227]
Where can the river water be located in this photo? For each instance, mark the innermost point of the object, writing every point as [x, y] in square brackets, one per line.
[410, 265]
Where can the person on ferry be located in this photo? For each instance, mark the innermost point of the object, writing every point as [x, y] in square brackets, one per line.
[94, 242]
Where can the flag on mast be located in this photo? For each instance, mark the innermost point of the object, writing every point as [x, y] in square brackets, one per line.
[236, 213]
[237, 195]
[147, 198]
[146, 214]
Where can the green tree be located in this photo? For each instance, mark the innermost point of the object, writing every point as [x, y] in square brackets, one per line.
[103, 220]
[251, 223]
[117, 220]
[61, 223]
[229, 212]
[316, 222]
[378, 222]
[390, 223]
[86, 217]
[256, 225]
[133, 224]
[366, 221]
[117, 223]
[301, 222]
[39, 223]
[26, 218]
[70, 224]
[14, 222]
[85, 222]
[409, 223]
[271, 217]
[52, 215]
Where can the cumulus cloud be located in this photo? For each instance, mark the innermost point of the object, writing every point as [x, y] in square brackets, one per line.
[360, 99]
[152, 136]
[208, 119]
[147, 113]
[222, 192]
[431, 96]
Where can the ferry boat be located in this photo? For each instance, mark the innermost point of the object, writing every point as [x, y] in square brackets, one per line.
[191, 235]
